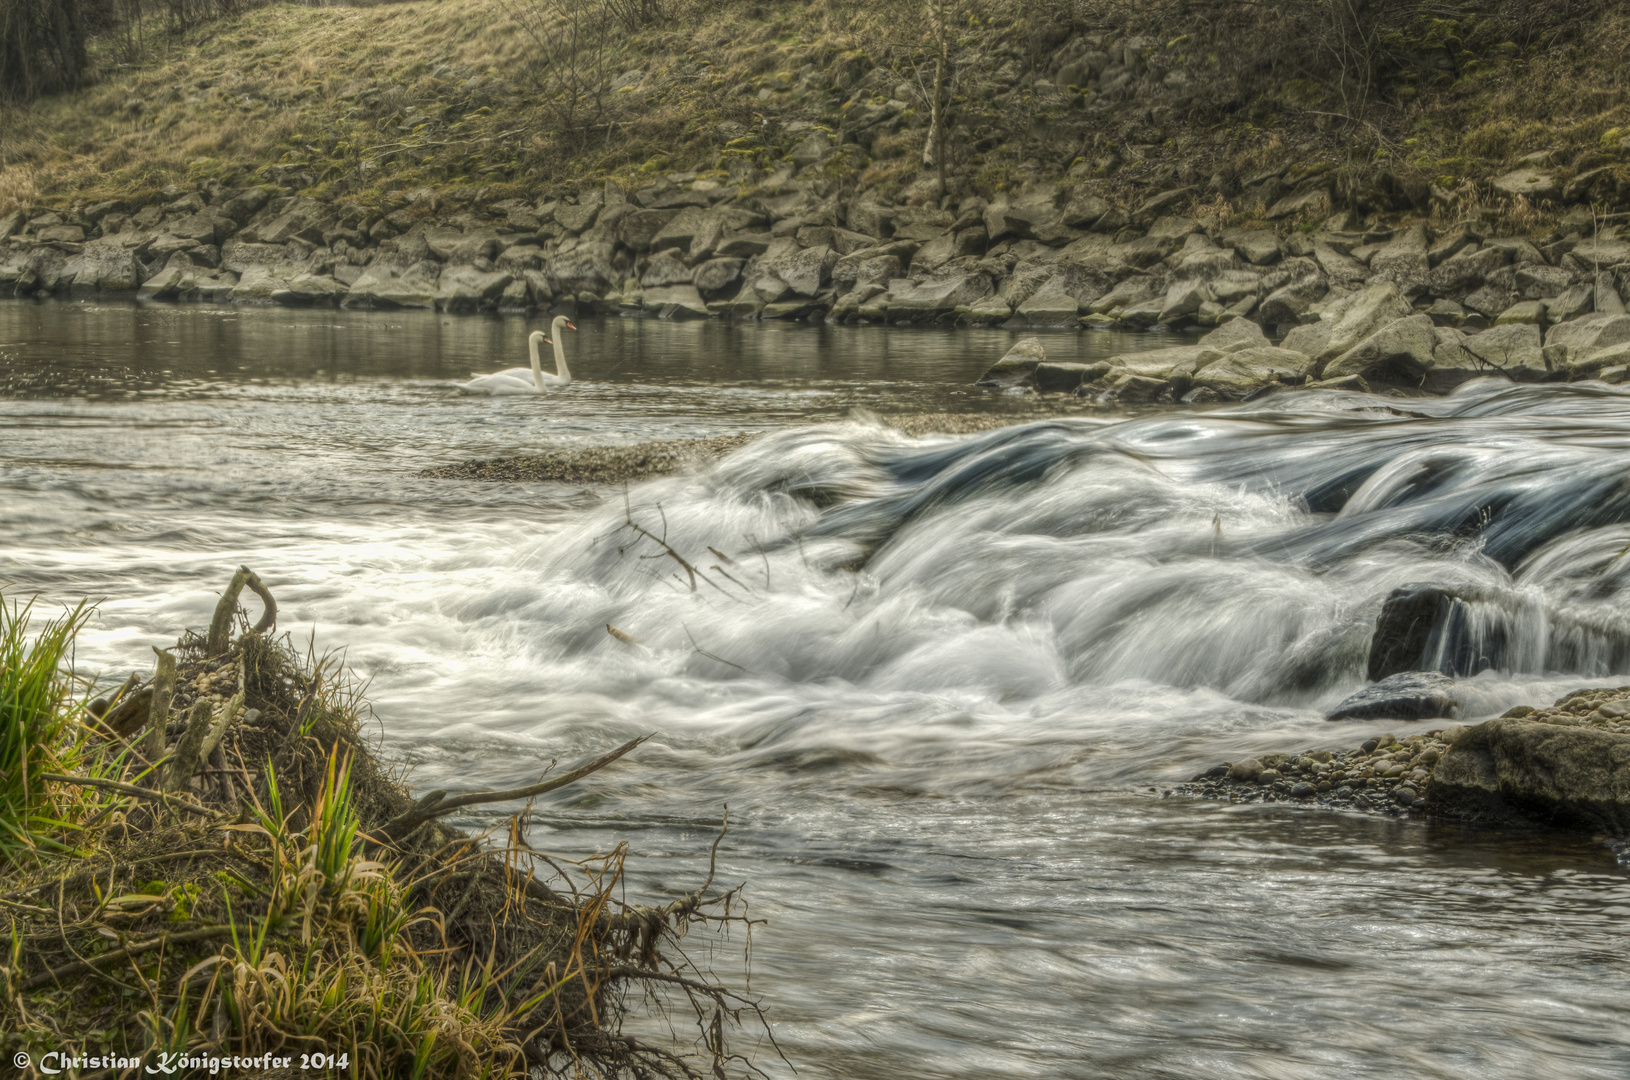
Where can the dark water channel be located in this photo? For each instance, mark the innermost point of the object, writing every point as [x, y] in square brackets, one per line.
[943, 771]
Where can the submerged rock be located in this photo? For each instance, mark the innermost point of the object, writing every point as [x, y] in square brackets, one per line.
[1413, 695]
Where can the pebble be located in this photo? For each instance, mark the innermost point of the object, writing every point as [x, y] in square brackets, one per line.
[1383, 776]
[616, 464]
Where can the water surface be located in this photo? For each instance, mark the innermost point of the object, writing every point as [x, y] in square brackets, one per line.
[941, 683]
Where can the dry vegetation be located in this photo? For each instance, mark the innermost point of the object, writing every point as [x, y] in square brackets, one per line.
[499, 97]
[213, 864]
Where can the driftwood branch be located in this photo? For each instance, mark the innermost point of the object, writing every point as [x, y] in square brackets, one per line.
[436, 804]
[220, 625]
[131, 790]
[158, 710]
[125, 716]
[178, 774]
[79, 967]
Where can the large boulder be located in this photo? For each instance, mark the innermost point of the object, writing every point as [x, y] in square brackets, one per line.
[1563, 773]
[388, 285]
[1589, 333]
[586, 267]
[310, 289]
[638, 229]
[804, 271]
[465, 288]
[715, 275]
[1017, 365]
[697, 231]
[1234, 335]
[1239, 373]
[1398, 353]
[1378, 306]
[1403, 262]
[1513, 350]
[1179, 360]
[918, 303]
[1463, 273]
[675, 302]
[103, 267]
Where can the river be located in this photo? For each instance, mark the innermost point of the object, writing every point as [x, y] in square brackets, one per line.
[940, 683]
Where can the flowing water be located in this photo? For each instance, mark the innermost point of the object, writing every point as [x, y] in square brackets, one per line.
[940, 682]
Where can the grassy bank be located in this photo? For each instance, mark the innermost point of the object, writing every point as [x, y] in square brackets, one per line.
[213, 863]
[466, 98]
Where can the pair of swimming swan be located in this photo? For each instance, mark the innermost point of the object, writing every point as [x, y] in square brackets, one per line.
[533, 380]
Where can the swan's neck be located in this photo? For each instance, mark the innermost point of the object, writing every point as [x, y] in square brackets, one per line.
[563, 372]
[537, 363]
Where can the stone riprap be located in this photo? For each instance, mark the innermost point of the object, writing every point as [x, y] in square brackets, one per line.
[1343, 301]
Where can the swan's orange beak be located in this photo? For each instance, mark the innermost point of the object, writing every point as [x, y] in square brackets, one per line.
[546, 341]
[569, 326]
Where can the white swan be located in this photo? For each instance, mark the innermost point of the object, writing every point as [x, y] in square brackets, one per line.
[533, 380]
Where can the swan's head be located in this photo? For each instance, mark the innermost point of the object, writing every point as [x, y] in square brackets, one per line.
[537, 335]
[560, 321]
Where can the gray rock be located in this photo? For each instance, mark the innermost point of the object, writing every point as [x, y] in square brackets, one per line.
[638, 229]
[387, 285]
[1235, 335]
[1530, 182]
[1404, 263]
[1287, 303]
[103, 267]
[1136, 289]
[743, 245]
[804, 271]
[1162, 364]
[1597, 362]
[304, 289]
[1017, 365]
[1589, 333]
[931, 298]
[1312, 202]
[1133, 389]
[587, 267]
[465, 288]
[1259, 246]
[666, 268]
[1049, 306]
[1536, 281]
[1338, 266]
[575, 219]
[1239, 373]
[1404, 795]
[1571, 303]
[699, 231]
[1460, 275]
[1522, 312]
[1517, 771]
[717, 274]
[1302, 790]
[676, 301]
[1514, 349]
[1248, 771]
[1399, 353]
[1410, 695]
[1498, 292]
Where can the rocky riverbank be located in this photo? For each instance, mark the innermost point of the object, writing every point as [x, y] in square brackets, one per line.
[1417, 304]
[1566, 766]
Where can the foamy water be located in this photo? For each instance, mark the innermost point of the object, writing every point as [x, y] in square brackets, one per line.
[940, 682]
